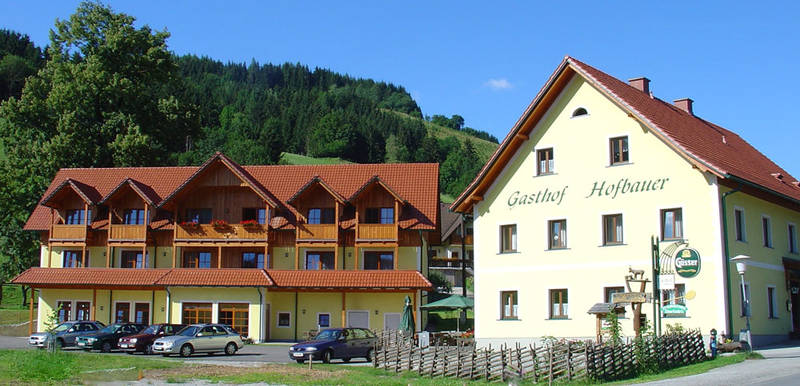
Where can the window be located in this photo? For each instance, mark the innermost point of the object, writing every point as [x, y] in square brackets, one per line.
[379, 216]
[619, 150]
[252, 260]
[545, 161]
[772, 303]
[122, 313]
[792, 238]
[319, 260]
[766, 231]
[196, 313]
[199, 215]
[744, 309]
[133, 216]
[557, 234]
[132, 259]
[257, 214]
[321, 216]
[671, 224]
[378, 260]
[738, 219]
[76, 217]
[508, 238]
[612, 229]
[284, 319]
[508, 308]
[559, 305]
[323, 320]
[236, 316]
[82, 311]
[608, 295]
[674, 297]
[579, 112]
[72, 259]
[64, 311]
[197, 260]
[141, 313]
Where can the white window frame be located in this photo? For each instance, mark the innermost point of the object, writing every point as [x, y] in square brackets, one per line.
[774, 301]
[766, 233]
[744, 225]
[369, 317]
[278, 319]
[73, 307]
[330, 320]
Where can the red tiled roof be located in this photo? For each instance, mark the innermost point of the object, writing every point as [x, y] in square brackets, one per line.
[417, 183]
[212, 277]
[88, 277]
[706, 145]
[344, 279]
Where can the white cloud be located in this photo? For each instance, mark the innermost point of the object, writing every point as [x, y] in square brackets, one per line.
[498, 84]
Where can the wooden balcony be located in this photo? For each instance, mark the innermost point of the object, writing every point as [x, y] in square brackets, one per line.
[317, 232]
[231, 233]
[376, 232]
[68, 233]
[125, 232]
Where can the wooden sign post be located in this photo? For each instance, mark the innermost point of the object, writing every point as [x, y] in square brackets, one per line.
[636, 299]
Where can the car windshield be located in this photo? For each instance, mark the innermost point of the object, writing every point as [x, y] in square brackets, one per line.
[189, 331]
[111, 328]
[327, 335]
[62, 327]
[152, 330]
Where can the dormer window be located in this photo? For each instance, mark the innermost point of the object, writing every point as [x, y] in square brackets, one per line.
[580, 111]
[321, 216]
[76, 217]
[379, 216]
[133, 216]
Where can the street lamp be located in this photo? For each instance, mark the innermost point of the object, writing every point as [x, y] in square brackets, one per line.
[741, 266]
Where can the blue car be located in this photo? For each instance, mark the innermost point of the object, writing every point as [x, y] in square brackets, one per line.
[336, 343]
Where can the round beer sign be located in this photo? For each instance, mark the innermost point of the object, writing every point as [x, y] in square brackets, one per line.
[687, 262]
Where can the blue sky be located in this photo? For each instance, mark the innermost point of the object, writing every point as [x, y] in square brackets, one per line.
[486, 60]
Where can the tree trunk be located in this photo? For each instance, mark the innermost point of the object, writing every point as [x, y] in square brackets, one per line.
[24, 295]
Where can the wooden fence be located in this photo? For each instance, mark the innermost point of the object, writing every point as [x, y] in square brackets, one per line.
[557, 362]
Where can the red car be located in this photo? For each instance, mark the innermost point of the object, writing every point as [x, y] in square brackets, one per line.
[143, 341]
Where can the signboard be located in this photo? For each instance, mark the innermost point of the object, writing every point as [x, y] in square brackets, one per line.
[687, 262]
[666, 282]
[424, 338]
[629, 297]
[674, 309]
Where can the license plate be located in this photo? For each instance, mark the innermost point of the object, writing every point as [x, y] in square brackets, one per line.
[123, 345]
[297, 354]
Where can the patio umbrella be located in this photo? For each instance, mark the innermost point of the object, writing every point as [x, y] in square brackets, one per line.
[407, 319]
[450, 303]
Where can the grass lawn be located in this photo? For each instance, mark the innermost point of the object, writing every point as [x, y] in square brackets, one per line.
[697, 368]
[297, 159]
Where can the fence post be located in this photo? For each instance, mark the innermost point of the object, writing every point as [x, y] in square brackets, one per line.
[569, 361]
[550, 366]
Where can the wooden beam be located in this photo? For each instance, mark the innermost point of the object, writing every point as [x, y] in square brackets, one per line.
[144, 248]
[522, 136]
[336, 248]
[174, 235]
[414, 309]
[219, 257]
[355, 256]
[344, 307]
[94, 304]
[396, 256]
[296, 257]
[30, 312]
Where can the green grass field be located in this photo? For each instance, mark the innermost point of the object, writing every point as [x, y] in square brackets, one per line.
[297, 159]
[482, 146]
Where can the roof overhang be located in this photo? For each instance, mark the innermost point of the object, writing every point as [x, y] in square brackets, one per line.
[82, 190]
[143, 191]
[375, 180]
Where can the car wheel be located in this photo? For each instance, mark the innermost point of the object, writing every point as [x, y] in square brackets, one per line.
[230, 348]
[301, 361]
[148, 350]
[59, 344]
[186, 350]
[346, 360]
[370, 354]
[326, 356]
[106, 347]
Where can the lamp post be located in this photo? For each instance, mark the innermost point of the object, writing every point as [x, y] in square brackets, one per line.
[741, 267]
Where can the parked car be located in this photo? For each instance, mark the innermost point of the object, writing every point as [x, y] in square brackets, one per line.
[143, 341]
[208, 338]
[336, 343]
[65, 333]
[106, 339]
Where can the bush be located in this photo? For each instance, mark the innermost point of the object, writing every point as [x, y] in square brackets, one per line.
[440, 283]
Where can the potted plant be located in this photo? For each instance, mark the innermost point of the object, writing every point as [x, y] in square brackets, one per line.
[250, 224]
[190, 224]
[219, 223]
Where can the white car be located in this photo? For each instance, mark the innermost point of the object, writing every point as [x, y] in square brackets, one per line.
[207, 338]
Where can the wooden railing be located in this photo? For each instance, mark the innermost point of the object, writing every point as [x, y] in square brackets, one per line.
[128, 232]
[68, 232]
[317, 232]
[377, 232]
[231, 231]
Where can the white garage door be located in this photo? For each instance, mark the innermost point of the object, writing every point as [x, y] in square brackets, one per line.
[391, 321]
[358, 319]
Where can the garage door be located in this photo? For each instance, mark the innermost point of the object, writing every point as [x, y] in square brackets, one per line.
[358, 319]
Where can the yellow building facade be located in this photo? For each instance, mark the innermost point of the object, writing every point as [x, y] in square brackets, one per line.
[592, 173]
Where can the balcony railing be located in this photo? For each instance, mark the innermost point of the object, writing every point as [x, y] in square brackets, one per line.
[226, 232]
[449, 263]
[317, 232]
[128, 232]
[376, 232]
[68, 232]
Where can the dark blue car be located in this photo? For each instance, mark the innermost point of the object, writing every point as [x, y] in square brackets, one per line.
[336, 343]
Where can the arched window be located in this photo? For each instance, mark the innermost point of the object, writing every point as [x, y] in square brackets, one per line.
[579, 112]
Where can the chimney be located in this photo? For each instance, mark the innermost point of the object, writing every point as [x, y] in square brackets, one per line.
[684, 104]
[642, 84]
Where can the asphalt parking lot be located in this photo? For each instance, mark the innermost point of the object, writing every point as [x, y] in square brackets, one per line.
[252, 354]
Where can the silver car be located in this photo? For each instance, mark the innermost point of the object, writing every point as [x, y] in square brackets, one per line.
[65, 333]
[207, 338]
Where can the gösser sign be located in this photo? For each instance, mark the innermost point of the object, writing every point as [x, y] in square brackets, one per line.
[687, 262]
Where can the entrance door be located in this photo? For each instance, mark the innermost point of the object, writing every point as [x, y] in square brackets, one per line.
[82, 310]
[358, 319]
[794, 293]
[142, 313]
[64, 310]
[123, 313]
